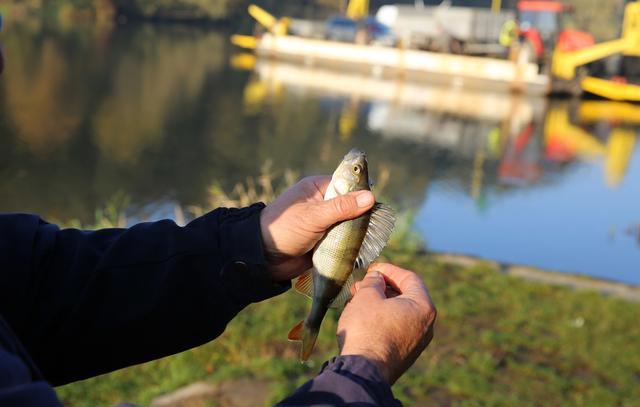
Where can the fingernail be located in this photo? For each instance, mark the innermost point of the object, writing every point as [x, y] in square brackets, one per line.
[364, 199]
[374, 274]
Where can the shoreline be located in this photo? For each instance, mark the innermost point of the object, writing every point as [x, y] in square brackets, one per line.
[611, 288]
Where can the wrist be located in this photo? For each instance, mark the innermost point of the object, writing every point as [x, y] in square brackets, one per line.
[265, 234]
[266, 237]
[376, 360]
[243, 272]
[282, 264]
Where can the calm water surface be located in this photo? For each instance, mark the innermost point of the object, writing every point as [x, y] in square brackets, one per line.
[160, 114]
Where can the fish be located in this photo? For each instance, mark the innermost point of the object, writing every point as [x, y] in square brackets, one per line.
[342, 256]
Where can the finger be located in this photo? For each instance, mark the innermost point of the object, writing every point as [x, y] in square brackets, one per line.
[343, 207]
[406, 282]
[371, 287]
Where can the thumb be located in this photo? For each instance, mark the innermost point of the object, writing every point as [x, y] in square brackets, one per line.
[343, 207]
[372, 285]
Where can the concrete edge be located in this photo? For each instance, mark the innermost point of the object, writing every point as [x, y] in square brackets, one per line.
[576, 281]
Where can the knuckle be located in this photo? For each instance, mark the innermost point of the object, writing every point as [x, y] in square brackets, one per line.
[428, 315]
[433, 314]
[343, 205]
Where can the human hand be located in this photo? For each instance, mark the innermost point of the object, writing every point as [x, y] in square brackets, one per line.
[293, 223]
[389, 325]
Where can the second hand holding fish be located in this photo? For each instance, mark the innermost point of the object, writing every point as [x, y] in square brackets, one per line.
[397, 302]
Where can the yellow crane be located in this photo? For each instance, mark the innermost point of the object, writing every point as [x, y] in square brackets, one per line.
[565, 64]
[277, 26]
[358, 9]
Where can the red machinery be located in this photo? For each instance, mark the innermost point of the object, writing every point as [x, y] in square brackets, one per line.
[542, 25]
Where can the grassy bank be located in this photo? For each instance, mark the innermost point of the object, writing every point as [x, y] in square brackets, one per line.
[499, 341]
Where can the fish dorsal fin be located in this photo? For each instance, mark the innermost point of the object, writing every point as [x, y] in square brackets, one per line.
[345, 293]
[304, 284]
[381, 223]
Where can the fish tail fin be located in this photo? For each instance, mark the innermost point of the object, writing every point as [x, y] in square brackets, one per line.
[308, 336]
[308, 342]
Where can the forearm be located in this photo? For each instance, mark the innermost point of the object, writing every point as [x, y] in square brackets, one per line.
[97, 301]
[344, 380]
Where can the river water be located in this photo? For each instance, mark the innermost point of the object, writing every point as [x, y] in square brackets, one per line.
[159, 114]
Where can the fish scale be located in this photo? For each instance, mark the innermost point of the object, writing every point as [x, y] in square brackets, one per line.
[332, 258]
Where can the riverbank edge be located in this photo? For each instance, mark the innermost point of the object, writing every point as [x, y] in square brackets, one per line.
[615, 289]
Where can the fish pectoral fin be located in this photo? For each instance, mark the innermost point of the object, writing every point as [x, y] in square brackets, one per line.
[345, 294]
[295, 334]
[381, 223]
[304, 283]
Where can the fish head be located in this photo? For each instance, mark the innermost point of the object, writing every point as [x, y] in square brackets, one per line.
[352, 174]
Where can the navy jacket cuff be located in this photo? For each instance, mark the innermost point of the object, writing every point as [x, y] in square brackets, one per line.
[244, 272]
[366, 374]
[344, 380]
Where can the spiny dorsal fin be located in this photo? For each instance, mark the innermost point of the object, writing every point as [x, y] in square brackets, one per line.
[304, 284]
[381, 225]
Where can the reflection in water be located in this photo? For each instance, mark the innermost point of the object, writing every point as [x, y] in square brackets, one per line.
[155, 113]
[546, 178]
[516, 132]
[634, 232]
[143, 108]
[607, 130]
[79, 107]
[38, 98]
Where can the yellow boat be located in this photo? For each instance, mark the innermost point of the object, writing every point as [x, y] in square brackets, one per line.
[515, 75]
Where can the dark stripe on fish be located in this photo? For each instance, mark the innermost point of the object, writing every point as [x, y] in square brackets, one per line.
[329, 288]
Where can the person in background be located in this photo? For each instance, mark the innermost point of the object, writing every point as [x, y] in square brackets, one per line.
[75, 304]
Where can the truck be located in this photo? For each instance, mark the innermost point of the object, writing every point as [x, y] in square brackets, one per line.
[460, 30]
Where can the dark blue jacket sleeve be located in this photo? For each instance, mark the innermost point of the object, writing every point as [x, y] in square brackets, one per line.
[344, 381]
[89, 302]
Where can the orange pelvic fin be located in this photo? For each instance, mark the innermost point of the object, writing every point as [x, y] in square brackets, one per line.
[295, 334]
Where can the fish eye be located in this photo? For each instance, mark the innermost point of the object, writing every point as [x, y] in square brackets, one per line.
[356, 169]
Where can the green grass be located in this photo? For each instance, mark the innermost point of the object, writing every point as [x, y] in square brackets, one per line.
[498, 341]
